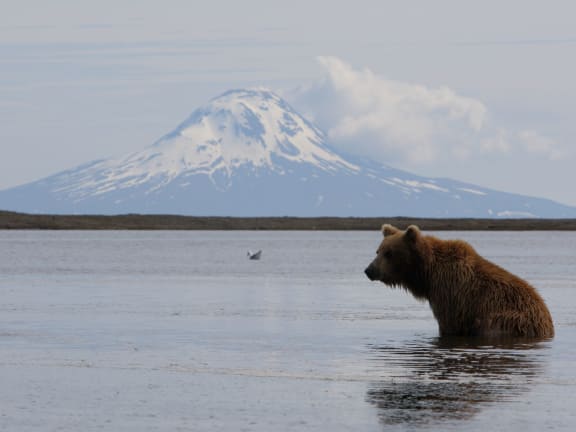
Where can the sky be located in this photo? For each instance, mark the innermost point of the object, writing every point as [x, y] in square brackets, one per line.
[481, 92]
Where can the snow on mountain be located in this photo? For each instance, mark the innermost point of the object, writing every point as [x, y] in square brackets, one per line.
[239, 128]
[248, 153]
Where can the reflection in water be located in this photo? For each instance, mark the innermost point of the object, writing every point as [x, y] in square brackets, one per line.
[445, 379]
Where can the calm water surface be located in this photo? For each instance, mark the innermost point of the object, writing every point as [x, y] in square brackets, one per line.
[157, 331]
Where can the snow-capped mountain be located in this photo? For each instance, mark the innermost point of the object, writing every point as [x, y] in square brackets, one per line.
[248, 153]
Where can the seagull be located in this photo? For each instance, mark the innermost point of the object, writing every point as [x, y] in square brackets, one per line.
[254, 255]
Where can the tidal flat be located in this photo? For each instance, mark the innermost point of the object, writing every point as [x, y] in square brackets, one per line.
[178, 330]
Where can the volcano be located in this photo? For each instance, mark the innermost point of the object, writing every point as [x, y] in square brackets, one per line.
[249, 153]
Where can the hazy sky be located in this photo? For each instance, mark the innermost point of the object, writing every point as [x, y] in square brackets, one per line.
[478, 91]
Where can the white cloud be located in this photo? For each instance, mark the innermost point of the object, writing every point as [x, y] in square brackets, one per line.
[497, 143]
[405, 124]
[533, 142]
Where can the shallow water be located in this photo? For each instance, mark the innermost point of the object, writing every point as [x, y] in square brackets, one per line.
[143, 331]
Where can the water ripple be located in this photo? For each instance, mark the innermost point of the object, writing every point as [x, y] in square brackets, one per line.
[435, 380]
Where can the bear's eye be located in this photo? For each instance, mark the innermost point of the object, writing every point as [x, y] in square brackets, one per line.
[388, 254]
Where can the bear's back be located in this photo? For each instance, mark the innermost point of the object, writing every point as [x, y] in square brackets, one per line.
[472, 295]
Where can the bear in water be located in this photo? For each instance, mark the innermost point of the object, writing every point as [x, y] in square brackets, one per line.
[469, 295]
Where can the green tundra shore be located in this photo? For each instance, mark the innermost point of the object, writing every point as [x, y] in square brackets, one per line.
[12, 220]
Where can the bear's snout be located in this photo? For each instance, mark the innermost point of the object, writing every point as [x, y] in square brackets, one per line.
[372, 272]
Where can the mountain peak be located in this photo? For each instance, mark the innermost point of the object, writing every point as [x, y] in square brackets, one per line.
[252, 93]
[247, 127]
[247, 152]
[250, 129]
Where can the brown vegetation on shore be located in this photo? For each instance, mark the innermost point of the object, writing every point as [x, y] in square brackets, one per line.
[12, 220]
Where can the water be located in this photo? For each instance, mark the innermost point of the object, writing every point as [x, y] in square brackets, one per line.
[157, 331]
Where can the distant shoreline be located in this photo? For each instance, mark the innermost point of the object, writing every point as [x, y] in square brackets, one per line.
[25, 221]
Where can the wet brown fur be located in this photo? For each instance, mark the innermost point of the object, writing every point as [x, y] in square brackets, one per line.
[468, 294]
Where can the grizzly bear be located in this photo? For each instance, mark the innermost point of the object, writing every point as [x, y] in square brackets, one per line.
[468, 295]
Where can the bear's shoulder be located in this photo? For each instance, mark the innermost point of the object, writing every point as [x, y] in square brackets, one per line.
[451, 247]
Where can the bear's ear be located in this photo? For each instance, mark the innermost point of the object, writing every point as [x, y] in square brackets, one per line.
[388, 229]
[412, 233]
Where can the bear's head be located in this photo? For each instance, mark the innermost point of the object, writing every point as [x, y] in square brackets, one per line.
[397, 259]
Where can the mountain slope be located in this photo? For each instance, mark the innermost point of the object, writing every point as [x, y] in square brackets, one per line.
[248, 153]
